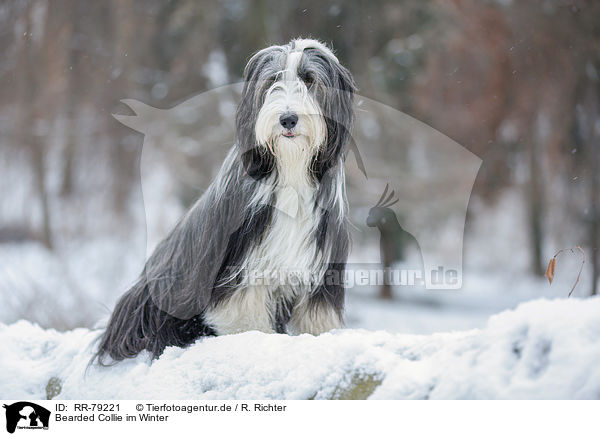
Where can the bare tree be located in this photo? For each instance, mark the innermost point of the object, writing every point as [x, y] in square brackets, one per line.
[31, 122]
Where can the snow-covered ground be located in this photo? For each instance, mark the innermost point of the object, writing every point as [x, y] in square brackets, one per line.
[421, 344]
[543, 349]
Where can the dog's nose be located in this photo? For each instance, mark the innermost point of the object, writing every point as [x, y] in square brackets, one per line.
[288, 120]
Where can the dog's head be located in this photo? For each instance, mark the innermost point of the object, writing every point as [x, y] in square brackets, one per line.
[296, 107]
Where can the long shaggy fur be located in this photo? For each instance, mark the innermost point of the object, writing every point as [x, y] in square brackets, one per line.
[193, 284]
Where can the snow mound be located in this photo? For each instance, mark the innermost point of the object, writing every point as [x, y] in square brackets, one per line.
[543, 349]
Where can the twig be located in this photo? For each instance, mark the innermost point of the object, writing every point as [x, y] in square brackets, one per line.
[552, 265]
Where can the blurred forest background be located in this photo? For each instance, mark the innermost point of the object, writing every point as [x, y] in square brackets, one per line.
[515, 82]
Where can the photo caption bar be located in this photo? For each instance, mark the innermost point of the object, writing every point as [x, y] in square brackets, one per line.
[76, 417]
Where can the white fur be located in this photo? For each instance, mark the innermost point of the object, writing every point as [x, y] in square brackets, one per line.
[301, 44]
[313, 320]
[286, 248]
[288, 244]
[247, 309]
[290, 96]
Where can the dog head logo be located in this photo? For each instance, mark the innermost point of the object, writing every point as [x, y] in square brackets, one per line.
[26, 415]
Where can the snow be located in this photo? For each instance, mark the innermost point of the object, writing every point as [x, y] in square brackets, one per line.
[64, 291]
[544, 349]
[422, 344]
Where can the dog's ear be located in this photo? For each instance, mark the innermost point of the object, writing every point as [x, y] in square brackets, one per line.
[257, 70]
[337, 88]
[258, 75]
[341, 98]
[256, 61]
[340, 113]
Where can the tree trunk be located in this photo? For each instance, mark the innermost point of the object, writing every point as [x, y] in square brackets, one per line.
[535, 209]
[30, 122]
[594, 198]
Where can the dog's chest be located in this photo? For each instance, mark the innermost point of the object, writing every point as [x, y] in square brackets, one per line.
[280, 270]
[288, 246]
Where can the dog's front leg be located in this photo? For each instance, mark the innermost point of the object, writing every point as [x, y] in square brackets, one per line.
[247, 309]
[314, 316]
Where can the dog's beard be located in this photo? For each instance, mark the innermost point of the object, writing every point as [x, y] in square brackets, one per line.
[293, 154]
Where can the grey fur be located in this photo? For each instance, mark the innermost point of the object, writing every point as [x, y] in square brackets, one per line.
[197, 265]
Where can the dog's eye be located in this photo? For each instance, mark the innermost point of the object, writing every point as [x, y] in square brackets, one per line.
[268, 82]
[307, 79]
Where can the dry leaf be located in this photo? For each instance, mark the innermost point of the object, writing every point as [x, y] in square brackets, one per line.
[550, 270]
[552, 265]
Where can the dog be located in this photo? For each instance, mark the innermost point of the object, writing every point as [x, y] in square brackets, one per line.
[278, 204]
